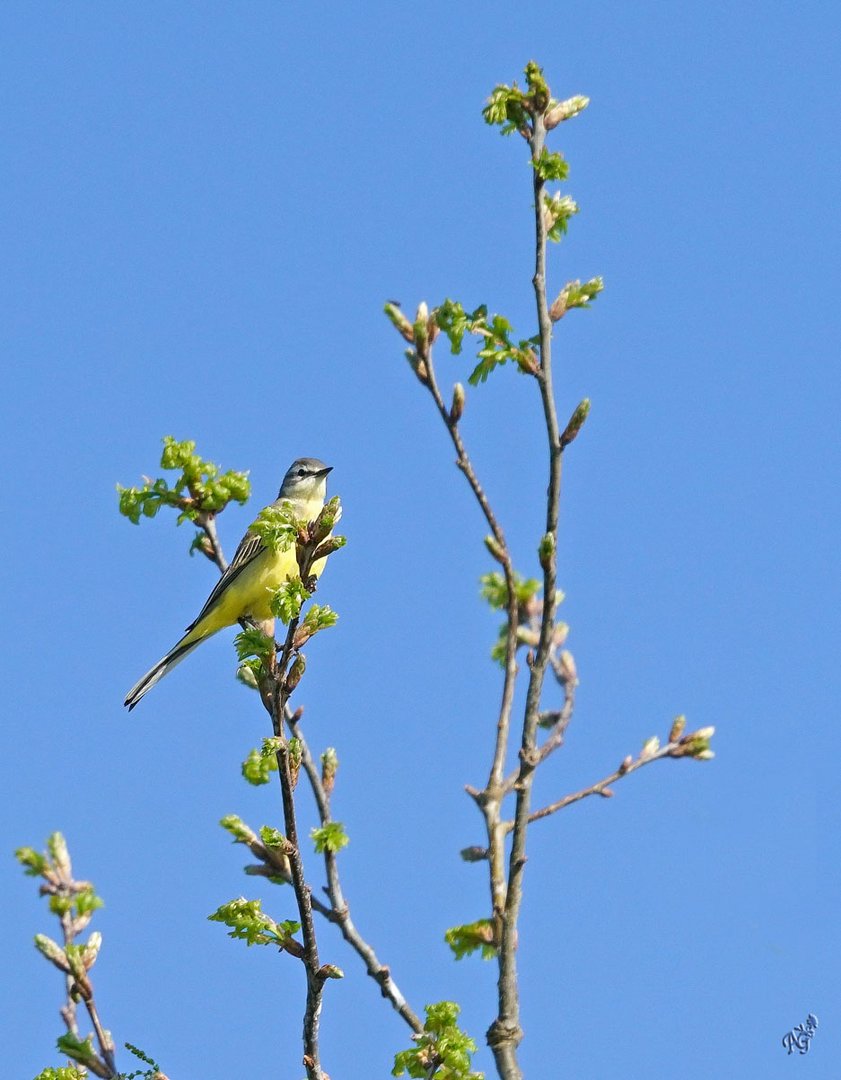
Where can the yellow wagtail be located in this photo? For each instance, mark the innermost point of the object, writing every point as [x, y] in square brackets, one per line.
[245, 588]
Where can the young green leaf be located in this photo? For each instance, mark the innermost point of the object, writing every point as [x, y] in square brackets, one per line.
[248, 923]
[257, 768]
[467, 939]
[330, 837]
[287, 600]
[252, 642]
[442, 1050]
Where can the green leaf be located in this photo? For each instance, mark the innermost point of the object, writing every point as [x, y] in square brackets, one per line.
[287, 600]
[200, 487]
[319, 617]
[330, 837]
[558, 209]
[272, 838]
[506, 109]
[277, 526]
[495, 590]
[34, 864]
[467, 939]
[241, 833]
[87, 901]
[248, 923]
[551, 165]
[253, 642]
[76, 1049]
[575, 295]
[442, 1050]
[66, 1072]
[257, 768]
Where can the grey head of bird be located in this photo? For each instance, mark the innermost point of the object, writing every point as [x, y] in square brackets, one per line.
[306, 479]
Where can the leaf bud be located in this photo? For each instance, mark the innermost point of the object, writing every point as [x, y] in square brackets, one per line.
[57, 847]
[567, 668]
[650, 747]
[495, 548]
[627, 762]
[565, 110]
[329, 767]
[457, 407]
[296, 672]
[52, 951]
[421, 328]
[546, 549]
[417, 365]
[90, 951]
[558, 307]
[399, 320]
[245, 674]
[677, 729]
[576, 422]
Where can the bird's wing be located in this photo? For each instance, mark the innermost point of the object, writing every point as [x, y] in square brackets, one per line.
[249, 548]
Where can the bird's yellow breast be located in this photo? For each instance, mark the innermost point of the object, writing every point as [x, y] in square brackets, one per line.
[251, 591]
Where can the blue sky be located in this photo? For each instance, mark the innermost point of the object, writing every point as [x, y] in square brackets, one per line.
[204, 208]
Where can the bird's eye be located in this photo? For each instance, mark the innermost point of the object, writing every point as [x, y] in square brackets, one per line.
[301, 472]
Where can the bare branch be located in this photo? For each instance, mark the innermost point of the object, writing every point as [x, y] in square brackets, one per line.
[675, 749]
[490, 800]
[339, 911]
[505, 1033]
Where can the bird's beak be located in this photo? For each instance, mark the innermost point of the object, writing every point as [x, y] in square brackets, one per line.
[324, 472]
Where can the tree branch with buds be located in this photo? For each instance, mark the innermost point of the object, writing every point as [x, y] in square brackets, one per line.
[74, 903]
[529, 604]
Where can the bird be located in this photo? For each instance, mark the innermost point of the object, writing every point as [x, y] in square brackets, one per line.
[255, 572]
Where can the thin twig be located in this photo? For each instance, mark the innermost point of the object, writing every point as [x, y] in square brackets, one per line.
[303, 897]
[339, 911]
[505, 1033]
[62, 883]
[207, 522]
[602, 787]
[490, 799]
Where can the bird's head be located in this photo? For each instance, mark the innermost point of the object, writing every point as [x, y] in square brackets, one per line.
[305, 481]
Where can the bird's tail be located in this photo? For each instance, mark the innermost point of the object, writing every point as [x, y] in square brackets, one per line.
[175, 655]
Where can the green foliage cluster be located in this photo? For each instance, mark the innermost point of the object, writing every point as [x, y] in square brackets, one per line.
[66, 1072]
[442, 1051]
[287, 600]
[78, 1050]
[200, 487]
[258, 767]
[318, 617]
[467, 939]
[511, 109]
[248, 923]
[558, 210]
[497, 347]
[330, 837]
[277, 526]
[494, 591]
[575, 295]
[74, 903]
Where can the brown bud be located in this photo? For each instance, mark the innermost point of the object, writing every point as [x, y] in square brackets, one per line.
[457, 407]
[295, 672]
